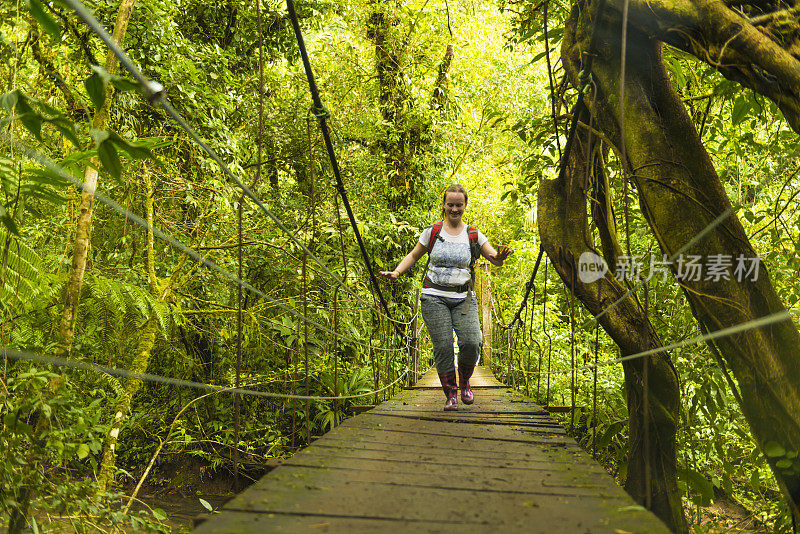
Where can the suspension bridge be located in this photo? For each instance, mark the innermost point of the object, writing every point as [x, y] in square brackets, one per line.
[501, 464]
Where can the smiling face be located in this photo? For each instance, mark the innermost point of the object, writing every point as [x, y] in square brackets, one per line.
[453, 207]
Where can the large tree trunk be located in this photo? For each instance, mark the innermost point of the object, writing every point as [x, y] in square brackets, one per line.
[440, 95]
[562, 216]
[83, 227]
[393, 101]
[680, 194]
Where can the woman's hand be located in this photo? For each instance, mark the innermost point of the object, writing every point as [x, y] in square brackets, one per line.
[390, 274]
[496, 258]
[501, 256]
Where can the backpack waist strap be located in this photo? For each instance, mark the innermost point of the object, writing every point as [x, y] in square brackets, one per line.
[467, 286]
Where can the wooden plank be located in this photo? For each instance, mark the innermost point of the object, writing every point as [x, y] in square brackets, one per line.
[247, 522]
[500, 464]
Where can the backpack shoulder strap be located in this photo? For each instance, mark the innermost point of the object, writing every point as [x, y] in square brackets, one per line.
[436, 229]
[474, 248]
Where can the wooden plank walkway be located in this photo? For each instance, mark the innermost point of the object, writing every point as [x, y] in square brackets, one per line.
[500, 465]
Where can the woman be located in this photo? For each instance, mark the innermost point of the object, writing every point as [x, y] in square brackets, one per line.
[447, 299]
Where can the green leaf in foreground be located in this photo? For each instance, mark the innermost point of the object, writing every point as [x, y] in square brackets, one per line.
[109, 158]
[699, 483]
[96, 88]
[83, 451]
[774, 450]
[206, 505]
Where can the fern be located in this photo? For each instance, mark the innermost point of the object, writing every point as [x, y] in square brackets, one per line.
[112, 382]
[23, 281]
[120, 308]
[163, 313]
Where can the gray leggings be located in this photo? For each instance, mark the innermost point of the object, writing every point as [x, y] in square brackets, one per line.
[443, 316]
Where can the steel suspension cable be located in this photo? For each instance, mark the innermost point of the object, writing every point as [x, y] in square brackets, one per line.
[646, 408]
[547, 333]
[594, 381]
[550, 79]
[761, 322]
[148, 377]
[322, 114]
[573, 371]
[528, 287]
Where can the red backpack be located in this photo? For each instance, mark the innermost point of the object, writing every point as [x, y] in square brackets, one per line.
[474, 249]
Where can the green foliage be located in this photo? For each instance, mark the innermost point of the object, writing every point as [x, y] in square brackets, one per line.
[108, 143]
[27, 191]
[48, 439]
[494, 133]
[22, 274]
[704, 490]
[755, 154]
[96, 85]
[42, 17]
[33, 113]
[356, 382]
[121, 309]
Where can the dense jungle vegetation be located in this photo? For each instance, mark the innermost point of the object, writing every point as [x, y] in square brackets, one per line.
[421, 94]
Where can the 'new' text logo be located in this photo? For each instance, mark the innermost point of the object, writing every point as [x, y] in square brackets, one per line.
[591, 267]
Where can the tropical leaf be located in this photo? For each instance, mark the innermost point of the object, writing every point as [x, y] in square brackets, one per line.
[699, 483]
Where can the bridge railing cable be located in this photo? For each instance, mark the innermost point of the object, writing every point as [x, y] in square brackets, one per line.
[717, 334]
[148, 377]
[523, 305]
[322, 114]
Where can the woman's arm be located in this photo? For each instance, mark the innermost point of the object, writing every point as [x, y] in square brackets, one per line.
[496, 258]
[407, 262]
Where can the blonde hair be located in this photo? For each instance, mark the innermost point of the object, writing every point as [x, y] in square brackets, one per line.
[453, 188]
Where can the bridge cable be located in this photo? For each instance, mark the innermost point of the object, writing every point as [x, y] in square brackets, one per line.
[573, 372]
[336, 309]
[528, 287]
[550, 78]
[594, 378]
[547, 333]
[531, 338]
[148, 377]
[646, 408]
[591, 178]
[625, 180]
[322, 114]
[761, 322]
